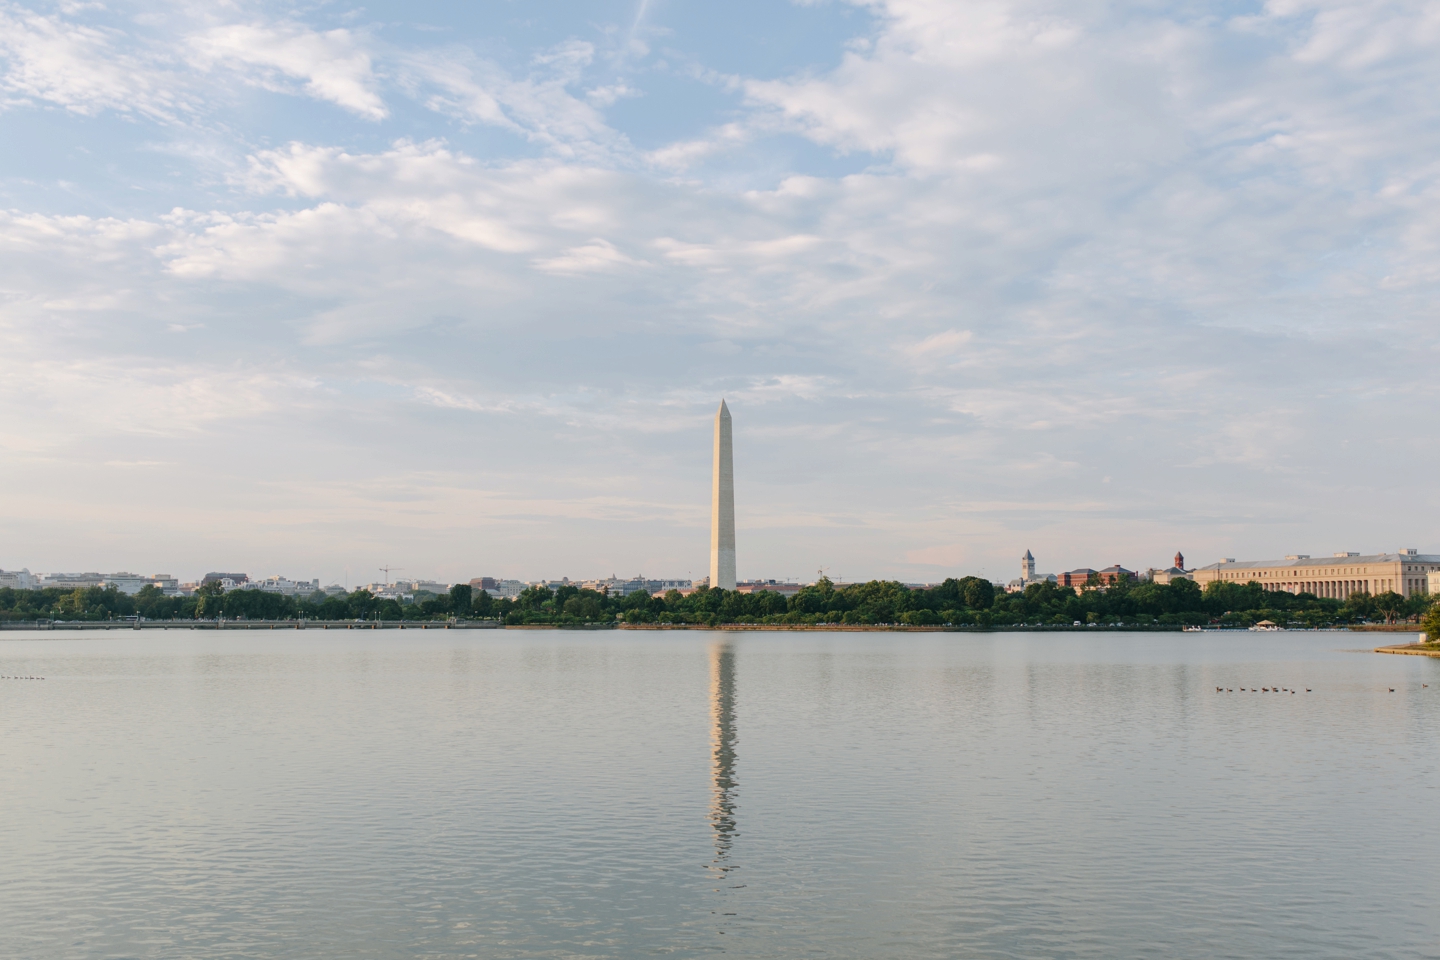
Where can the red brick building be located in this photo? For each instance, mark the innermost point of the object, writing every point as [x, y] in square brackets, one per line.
[1076, 579]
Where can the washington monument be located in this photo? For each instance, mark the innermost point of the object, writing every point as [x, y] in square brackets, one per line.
[722, 506]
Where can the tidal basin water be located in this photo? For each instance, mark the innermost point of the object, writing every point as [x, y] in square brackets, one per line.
[621, 794]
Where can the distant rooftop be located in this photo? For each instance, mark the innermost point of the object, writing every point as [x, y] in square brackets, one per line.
[1300, 560]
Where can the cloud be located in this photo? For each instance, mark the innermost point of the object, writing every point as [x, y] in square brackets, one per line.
[84, 69]
[941, 345]
[993, 255]
[539, 107]
[1360, 35]
[920, 91]
[598, 254]
[334, 64]
[99, 398]
[607, 96]
[451, 401]
[459, 84]
[684, 153]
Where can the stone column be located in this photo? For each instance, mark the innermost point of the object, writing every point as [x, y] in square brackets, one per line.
[722, 505]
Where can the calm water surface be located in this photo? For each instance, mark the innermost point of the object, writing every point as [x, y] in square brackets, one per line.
[564, 795]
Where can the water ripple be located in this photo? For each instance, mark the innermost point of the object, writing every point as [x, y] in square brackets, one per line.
[559, 796]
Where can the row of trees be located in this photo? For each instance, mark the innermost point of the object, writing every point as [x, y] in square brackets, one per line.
[209, 602]
[874, 602]
[969, 601]
[965, 601]
[1183, 602]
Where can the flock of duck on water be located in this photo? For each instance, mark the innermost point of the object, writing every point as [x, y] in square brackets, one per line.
[1217, 689]
[1278, 689]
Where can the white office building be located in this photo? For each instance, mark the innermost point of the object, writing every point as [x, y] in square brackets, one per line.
[283, 586]
[69, 581]
[17, 579]
[1406, 572]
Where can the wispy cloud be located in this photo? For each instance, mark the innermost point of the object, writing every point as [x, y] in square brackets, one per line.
[952, 273]
[85, 69]
[598, 254]
[332, 65]
[539, 106]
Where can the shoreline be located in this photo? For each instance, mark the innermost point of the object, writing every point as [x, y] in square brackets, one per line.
[113, 625]
[46, 626]
[995, 628]
[1410, 650]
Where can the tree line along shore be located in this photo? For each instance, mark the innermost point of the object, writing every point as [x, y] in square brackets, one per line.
[967, 601]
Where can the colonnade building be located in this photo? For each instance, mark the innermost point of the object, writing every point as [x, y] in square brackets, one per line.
[1406, 573]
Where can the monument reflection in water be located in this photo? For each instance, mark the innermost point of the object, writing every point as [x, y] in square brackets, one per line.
[722, 757]
[218, 795]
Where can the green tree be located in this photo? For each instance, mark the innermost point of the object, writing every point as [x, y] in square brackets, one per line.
[582, 607]
[72, 606]
[534, 598]
[460, 598]
[1416, 606]
[979, 593]
[359, 605]
[1360, 606]
[257, 605]
[1389, 605]
[152, 604]
[1430, 622]
[209, 600]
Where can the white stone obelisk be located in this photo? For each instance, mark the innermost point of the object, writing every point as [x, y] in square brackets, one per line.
[722, 506]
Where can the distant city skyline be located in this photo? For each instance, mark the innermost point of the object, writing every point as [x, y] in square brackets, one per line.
[1391, 564]
[454, 289]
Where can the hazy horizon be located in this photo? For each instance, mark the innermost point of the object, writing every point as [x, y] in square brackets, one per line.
[458, 290]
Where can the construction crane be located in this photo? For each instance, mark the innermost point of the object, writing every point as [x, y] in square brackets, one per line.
[387, 573]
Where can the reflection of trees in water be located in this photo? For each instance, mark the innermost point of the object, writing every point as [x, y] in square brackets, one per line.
[722, 745]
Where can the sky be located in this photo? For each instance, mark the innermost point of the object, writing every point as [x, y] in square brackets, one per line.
[456, 288]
